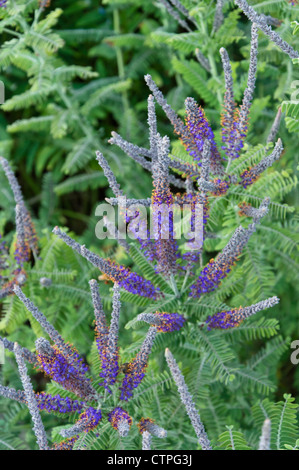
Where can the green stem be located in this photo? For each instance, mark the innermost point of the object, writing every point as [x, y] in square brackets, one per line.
[185, 280]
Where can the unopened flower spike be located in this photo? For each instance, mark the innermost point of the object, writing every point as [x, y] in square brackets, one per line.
[26, 238]
[229, 99]
[263, 26]
[110, 355]
[232, 318]
[88, 420]
[163, 321]
[137, 366]
[204, 62]
[45, 281]
[186, 399]
[248, 93]
[170, 113]
[235, 121]
[100, 318]
[265, 439]
[120, 420]
[109, 174]
[127, 279]
[200, 57]
[133, 151]
[256, 214]
[198, 125]
[146, 441]
[218, 18]
[268, 19]
[217, 187]
[38, 426]
[13, 182]
[165, 243]
[28, 227]
[177, 4]
[45, 401]
[69, 374]
[182, 10]
[114, 233]
[251, 175]
[139, 153]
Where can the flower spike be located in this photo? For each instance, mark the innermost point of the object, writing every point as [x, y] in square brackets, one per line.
[127, 279]
[148, 425]
[265, 439]
[251, 175]
[109, 174]
[175, 14]
[87, 421]
[110, 359]
[164, 322]
[218, 18]
[52, 332]
[28, 355]
[275, 127]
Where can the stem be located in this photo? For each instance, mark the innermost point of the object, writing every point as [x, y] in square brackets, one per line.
[228, 164]
[212, 62]
[68, 105]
